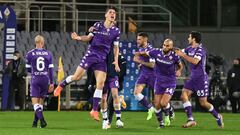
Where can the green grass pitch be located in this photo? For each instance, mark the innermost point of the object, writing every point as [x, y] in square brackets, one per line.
[79, 123]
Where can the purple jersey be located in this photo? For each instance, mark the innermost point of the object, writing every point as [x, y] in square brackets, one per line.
[199, 53]
[40, 61]
[165, 66]
[103, 39]
[145, 69]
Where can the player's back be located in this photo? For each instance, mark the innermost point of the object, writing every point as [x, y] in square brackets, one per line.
[40, 61]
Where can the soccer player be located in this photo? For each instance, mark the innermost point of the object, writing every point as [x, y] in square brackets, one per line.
[167, 67]
[112, 84]
[39, 64]
[101, 41]
[195, 54]
[147, 75]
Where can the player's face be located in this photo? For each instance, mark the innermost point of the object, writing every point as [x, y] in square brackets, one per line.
[167, 46]
[190, 39]
[110, 15]
[140, 41]
[235, 62]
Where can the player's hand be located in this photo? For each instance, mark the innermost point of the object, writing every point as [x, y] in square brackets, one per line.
[75, 36]
[117, 68]
[91, 29]
[137, 53]
[178, 73]
[179, 52]
[136, 59]
[50, 88]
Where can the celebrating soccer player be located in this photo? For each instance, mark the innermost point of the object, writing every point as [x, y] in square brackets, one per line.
[147, 75]
[39, 64]
[167, 67]
[104, 35]
[195, 54]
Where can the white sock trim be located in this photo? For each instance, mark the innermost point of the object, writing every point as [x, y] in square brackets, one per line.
[69, 79]
[36, 106]
[168, 106]
[139, 96]
[211, 108]
[186, 104]
[157, 111]
[41, 106]
[97, 93]
[119, 115]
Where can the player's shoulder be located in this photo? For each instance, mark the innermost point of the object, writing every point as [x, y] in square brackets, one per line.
[200, 48]
[30, 52]
[115, 29]
[97, 24]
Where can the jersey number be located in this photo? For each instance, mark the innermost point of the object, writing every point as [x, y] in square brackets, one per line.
[40, 64]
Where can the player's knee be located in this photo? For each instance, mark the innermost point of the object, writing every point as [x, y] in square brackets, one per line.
[164, 103]
[184, 98]
[157, 106]
[100, 84]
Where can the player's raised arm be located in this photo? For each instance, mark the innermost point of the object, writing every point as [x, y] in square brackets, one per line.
[51, 75]
[193, 60]
[85, 38]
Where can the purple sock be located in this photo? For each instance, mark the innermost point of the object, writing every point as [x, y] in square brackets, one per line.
[63, 83]
[39, 113]
[35, 117]
[214, 113]
[159, 116]
[188, 111]
[96, 103]
[166, 111]
[145, 103]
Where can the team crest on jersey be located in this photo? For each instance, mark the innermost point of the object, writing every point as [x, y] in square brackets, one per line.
[170, 57]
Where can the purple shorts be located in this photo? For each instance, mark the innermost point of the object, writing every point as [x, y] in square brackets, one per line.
[161, 88]
[39, 86]
[111, 82]
[199, 85]
[94, 61]
[149, 80]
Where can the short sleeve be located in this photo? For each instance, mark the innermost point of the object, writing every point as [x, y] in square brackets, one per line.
[117, 37]
[199, 53]
[153, 53]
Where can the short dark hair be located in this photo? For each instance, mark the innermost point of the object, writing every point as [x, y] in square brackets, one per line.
[111, 7]
[196, 35]
[15, 52]
[143, 34]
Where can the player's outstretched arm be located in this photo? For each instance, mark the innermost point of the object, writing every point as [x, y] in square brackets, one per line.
[187, 58]
[179, 69]
[85, 38]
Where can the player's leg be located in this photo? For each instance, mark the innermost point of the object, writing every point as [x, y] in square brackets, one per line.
[186, 93]
[158, 111]
[110, 108]
[35, 103]
[166, 107]
[100, 79]
[143, 100]
[76, 76]
[104, 111]
[117, 107]
[38, 108]
[204, 103]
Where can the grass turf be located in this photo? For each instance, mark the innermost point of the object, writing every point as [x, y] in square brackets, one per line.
[79, 123]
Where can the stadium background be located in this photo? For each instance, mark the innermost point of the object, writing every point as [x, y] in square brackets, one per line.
[218, 20]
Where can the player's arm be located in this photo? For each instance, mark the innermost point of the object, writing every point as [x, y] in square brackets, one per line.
[194, 60]
[51, 75]
[85, 38]
[137, 59]
[179, 69]
[116, 54]
[28, 64]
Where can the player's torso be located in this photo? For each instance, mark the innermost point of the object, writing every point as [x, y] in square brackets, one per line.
[40, 60]
[165, 64]
[145, 69]
[103, 39]
[199, 69]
